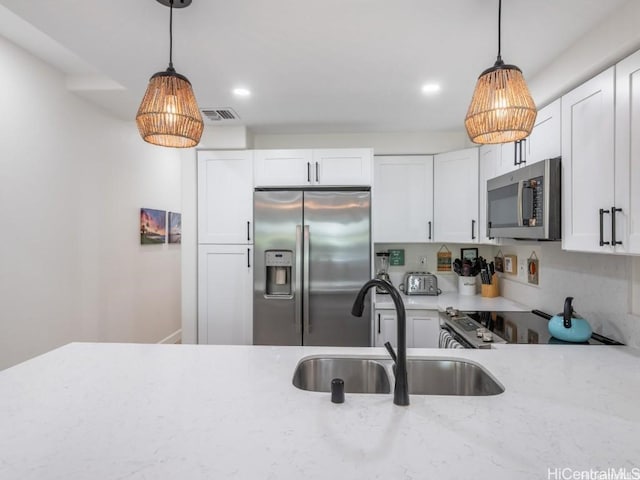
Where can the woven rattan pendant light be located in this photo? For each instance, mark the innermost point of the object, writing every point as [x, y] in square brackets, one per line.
[168, 115]
[501, 109]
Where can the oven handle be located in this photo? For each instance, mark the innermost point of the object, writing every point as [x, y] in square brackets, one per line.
[451, 339]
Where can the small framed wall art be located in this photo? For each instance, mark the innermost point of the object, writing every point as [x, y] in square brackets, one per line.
[468, 254]
[511, 264]
[396, 257]
[444, 259]
[175, 227]
[153, 226]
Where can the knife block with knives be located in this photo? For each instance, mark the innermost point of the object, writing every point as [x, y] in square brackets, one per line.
[491, 290]
[489, 279]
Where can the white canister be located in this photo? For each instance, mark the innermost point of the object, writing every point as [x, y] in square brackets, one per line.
[467, 285]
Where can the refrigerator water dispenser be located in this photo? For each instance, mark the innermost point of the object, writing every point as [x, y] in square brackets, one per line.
[279, 282]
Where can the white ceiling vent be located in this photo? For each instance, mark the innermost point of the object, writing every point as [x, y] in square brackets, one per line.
[219, 114]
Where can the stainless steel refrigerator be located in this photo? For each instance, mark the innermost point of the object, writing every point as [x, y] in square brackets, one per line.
[312, 253]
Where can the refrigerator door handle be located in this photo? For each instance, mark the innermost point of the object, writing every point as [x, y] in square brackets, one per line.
[297, 318]
[305, 286]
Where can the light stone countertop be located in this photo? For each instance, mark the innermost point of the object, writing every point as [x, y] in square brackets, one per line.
[128, 411]
[444, 300]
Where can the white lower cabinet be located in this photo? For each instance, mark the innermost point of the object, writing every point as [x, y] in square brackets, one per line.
[423, 328]
[385, 327]
[225, 294]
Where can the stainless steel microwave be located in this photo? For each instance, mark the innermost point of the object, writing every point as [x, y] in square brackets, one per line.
[525, 203]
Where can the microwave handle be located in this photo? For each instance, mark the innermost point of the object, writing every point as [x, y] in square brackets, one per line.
[520, 190]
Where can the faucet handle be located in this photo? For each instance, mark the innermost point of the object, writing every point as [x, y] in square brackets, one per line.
[391, 351]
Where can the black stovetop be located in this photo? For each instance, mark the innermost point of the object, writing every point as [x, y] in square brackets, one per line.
[527, 327]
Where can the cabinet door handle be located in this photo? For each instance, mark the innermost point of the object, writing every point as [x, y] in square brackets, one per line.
[473, 229]
[429, 229]
[248, 231]
[317, 176]
[602, 242]
[308, 172]
[248, 258]
[379, 332]
[519, 152]
[613, 226]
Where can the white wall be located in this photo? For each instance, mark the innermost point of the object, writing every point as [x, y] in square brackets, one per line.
[382, 143]
[73, 180]
[600, 284]
[611, 40]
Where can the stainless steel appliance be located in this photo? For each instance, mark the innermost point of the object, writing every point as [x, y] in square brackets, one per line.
[420, 283]
[530, 327]
[382, 270]
[525, 203]
[312, 253]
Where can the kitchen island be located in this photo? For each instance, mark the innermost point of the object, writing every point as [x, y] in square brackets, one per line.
[111, 411]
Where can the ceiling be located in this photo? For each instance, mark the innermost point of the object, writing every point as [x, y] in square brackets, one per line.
[312, 66]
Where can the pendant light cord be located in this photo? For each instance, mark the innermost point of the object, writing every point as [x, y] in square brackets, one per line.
[171, 34]
[499, 29]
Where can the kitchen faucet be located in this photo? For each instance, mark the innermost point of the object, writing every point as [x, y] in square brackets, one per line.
[401, 388]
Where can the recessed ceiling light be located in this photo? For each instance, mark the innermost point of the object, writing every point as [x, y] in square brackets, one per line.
[242, 92]
[430, 88]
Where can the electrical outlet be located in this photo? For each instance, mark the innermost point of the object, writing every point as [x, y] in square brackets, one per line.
[422, 261]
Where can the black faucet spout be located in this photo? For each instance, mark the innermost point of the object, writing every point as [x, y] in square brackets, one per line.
[401, 389]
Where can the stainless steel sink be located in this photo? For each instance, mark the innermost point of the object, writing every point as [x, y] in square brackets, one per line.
[427, 376]
[360, 375]
[437, 376]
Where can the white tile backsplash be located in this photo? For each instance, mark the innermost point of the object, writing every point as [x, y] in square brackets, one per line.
[601, 285]
[606, 288]
[447, 282]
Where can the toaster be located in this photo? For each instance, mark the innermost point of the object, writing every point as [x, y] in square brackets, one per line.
[420, 283]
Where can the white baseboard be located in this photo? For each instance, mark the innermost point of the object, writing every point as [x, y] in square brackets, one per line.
[175, 337]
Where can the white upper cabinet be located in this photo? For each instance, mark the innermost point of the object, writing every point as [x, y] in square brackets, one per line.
[545, 139]
[544, 142]
[455, 210]
[225, 197]
[490, 157]
[627, 163]
[329, 167]
[588, 164]
[346, 166]
[278, 168]
[402, 207]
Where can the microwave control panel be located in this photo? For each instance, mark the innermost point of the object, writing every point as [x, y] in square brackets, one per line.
[533, 202]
